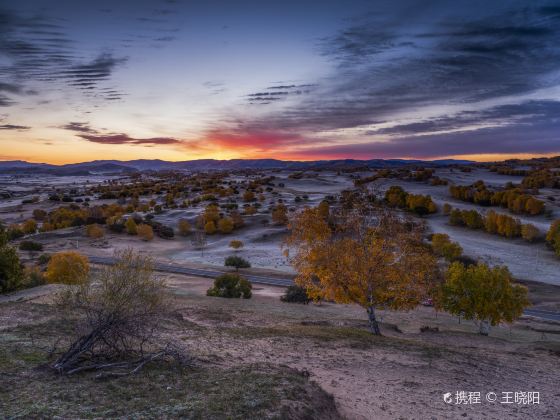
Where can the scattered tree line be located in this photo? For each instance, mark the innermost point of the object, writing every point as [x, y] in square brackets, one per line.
[493, 222]
[514, 199]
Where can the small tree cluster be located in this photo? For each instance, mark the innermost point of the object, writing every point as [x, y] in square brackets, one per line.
[514, 199]
[495, 223]
[396, 196]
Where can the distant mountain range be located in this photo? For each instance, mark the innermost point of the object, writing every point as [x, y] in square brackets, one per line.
[122, 167]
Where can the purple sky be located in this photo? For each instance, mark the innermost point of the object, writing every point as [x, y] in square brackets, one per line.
[178, 80]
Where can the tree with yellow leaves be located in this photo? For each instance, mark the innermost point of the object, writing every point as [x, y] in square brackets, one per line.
[482, 293]
[225, 225]
[185, 227]
[369, 256]
[67, 267]
[280, 214]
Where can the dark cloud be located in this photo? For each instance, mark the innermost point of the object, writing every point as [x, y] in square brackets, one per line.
[78, 127]
[523, 114]
[125, 139]
[13, 127]
[387, 66]
[278, 92]
[38, 49]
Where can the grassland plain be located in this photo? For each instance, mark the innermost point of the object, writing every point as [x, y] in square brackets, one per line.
[261, 358]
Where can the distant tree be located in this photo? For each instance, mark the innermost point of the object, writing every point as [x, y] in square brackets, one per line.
[280, 215]
[530, 232]
[447, 209]
[95, 231]
[210, 228]
[185, 227]
[145, 232]
[456, 218]
[236, 244]
[553, 236]
[324, 209]
[482, 293]
[131, 227]
[225, 225]
[248, 196]
[11, 272]
[444, 247]
[39, 214]
[249, 210]
[395, 196]
[199, 241]
[29, 227]
[30, 246]
[67, 267]
[237, 262]
[230, 286]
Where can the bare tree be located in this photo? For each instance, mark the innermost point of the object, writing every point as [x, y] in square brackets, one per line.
[119, 312]
[199, 241]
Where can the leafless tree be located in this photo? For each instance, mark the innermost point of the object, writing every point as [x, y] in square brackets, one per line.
[119, 312]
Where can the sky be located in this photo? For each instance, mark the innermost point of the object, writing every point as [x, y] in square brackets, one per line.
[294, 80]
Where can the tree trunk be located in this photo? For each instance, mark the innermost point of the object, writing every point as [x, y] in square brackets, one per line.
[373, 325]
[484, 327]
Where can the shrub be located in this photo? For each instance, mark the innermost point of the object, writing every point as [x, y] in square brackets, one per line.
[456, 218]
[44, 259]
[30, 246]
[447, 209]
[230, 286]
[184, 227]
[34, 277]
[14, 232]
[39, 214]
[236, 244]
[553, 236]
[295, 294]
[444, 247]
[119, 316]
[165, 232]
[210, 227]
[68, 267]
[11, 273]
[131, 227]
[237, 262]
[95, 231]
[29, 227]
[145, 232]
[530, 232]
[280, 215]
[225, 225]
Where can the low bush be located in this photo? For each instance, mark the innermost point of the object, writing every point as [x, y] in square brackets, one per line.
[237, 262]
[231, 286]
[30, 246]
[295, 294]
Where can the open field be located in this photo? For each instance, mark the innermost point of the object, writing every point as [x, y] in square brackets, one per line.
[262, 239]
[253, 358]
